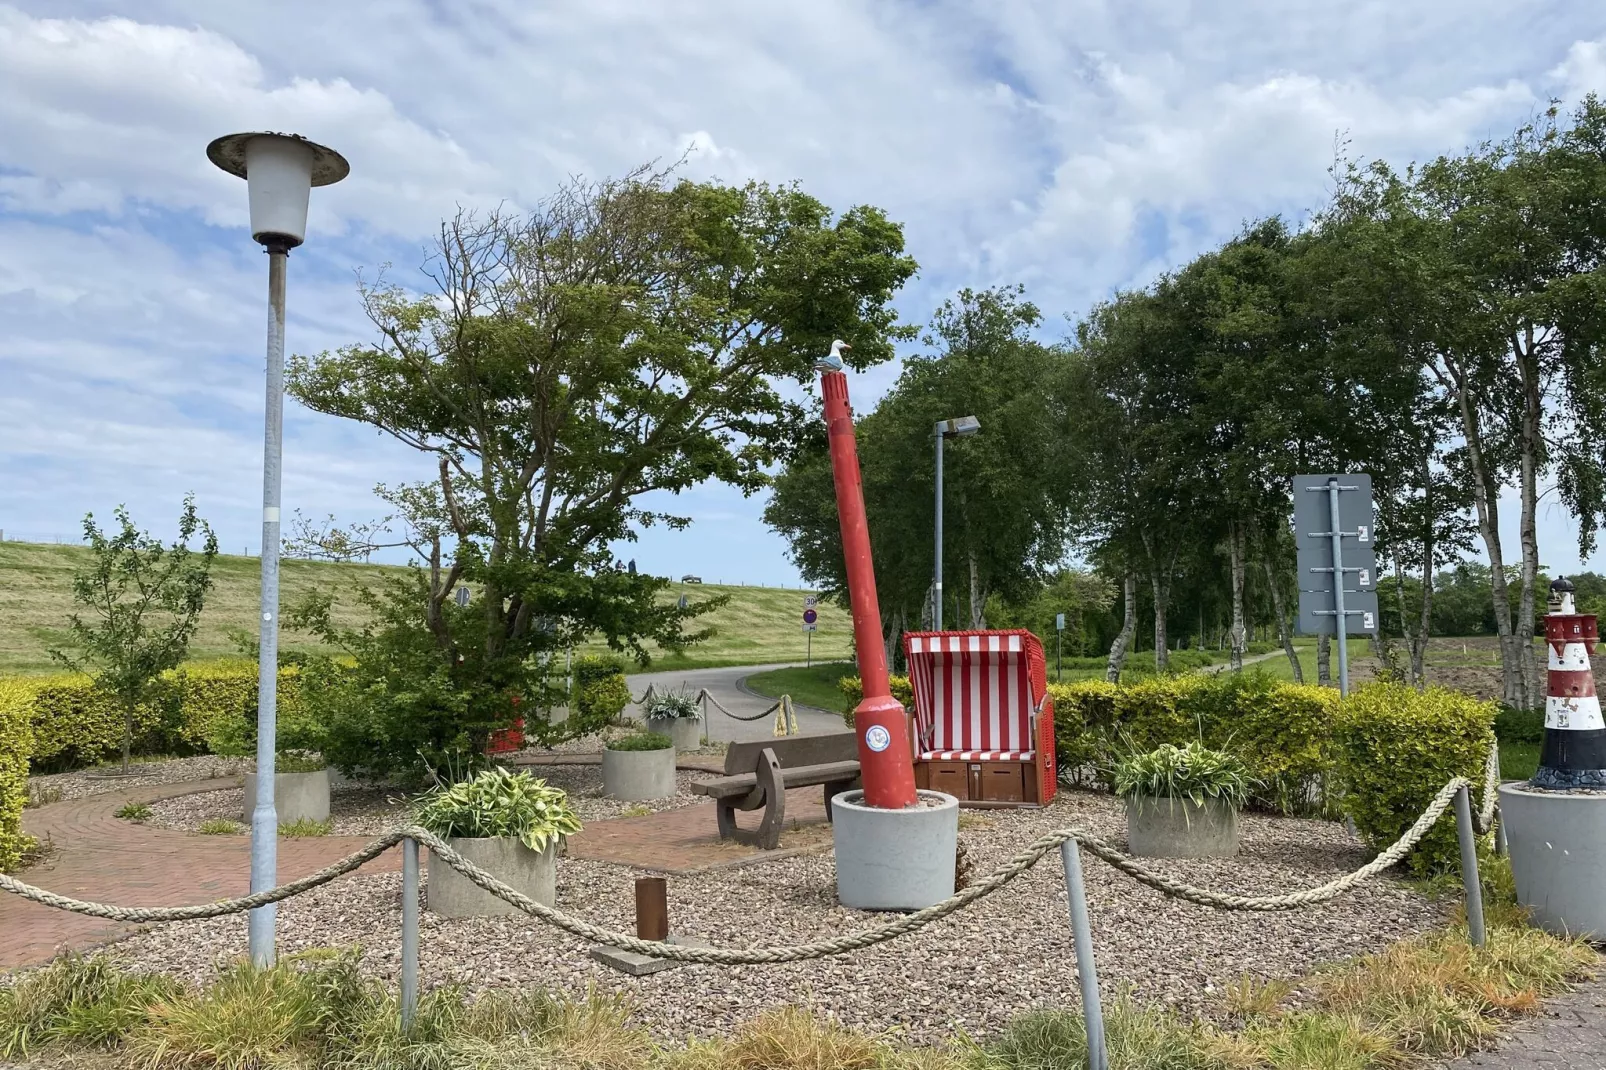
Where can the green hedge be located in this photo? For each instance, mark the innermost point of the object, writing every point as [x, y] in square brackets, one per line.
[852, 689]
[1397, 747]
[601, 692]
[1282, 731]
[209, 707]
[16, 746]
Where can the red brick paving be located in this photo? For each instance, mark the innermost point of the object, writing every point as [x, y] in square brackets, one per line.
[100, 857]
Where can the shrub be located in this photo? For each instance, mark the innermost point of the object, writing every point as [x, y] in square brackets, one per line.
[1283, 732]
[601, 692]
[852, 689]
[642, 741]
[1512, 725]
[299, 763]
[16, 745]
[1396, 748]
[499, 803]
[1193, 772]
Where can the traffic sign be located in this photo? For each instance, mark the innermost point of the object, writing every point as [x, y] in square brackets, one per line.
[810, 601]
[809, 627]
[809, 616]
[1059, 622]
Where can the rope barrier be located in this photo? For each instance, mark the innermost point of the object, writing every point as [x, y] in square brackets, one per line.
[997, 879]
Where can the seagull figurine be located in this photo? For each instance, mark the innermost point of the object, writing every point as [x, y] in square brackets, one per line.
[833, 361]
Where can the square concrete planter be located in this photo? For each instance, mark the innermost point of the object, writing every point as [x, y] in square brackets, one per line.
[687, 732]
[452, 895]
[296, 796]
[634, 775]
[1180, 828]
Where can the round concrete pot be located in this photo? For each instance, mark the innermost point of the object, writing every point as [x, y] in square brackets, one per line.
[685, 731]
[296, 796]
[1557, 843]
[894, 859]
[634, 775]
[1180, 828]
[452, 895]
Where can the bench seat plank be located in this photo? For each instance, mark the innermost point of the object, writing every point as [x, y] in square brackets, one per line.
[804, 776]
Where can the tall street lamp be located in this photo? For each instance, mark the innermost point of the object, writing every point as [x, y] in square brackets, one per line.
[946, 429]
[280, 171]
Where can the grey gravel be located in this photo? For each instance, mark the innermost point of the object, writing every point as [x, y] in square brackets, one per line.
[971, 972]
[359, 811]
[82, 783]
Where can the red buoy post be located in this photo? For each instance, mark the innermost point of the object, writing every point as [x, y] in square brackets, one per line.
[885, 761]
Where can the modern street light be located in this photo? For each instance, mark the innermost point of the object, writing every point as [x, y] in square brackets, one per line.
[946, 429]
[280, 171]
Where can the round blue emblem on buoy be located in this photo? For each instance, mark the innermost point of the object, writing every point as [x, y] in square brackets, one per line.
[877, 738]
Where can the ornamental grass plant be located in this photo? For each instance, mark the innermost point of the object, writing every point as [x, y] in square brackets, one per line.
[498, 803]
[641, 741]
[673, 705]
[1192, 771]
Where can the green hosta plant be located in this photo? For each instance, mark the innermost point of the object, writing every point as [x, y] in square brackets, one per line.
[1193, 772]
[499, 803]
[673, 705]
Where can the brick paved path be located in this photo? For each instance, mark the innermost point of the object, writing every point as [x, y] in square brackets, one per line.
[103, 858]
[1569, 1034]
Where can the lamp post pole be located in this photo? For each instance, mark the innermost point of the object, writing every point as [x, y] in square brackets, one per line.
[945, 429]
[280, 171]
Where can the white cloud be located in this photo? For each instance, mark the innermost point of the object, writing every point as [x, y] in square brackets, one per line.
[1076, 146]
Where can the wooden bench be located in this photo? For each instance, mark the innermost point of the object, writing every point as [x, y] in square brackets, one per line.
[758, 774]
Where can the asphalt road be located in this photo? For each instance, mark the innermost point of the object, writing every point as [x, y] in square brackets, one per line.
[723, 685]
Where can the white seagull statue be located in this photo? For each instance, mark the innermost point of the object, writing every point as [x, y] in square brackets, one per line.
[833, 361]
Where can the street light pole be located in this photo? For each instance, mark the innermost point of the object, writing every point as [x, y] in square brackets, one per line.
[280, 171]
[945, 429]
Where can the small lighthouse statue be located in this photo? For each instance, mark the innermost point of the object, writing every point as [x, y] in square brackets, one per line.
[1574, 752]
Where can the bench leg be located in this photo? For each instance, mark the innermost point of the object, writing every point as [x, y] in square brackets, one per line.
[772, 782]
[837, 788]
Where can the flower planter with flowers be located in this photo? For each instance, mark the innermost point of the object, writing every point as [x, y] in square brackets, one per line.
[1182, 802]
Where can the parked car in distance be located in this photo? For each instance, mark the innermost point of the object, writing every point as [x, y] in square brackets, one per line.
[691, 579]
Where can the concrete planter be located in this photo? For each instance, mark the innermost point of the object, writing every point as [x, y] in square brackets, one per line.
[452, 895]
[1557, 843]
[296, 796]
[687, 732]
[894, 859]
[634, 775]
[1180, 828]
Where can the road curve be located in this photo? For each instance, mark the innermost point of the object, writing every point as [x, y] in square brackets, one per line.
[724, 685]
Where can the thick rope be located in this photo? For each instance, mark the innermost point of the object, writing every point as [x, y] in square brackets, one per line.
[1014, 867]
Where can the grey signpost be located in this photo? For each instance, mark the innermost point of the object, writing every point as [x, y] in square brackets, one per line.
[1335, 538]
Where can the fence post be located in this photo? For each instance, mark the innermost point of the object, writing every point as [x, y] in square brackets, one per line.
[1499, 835]
[1469, 864]
[409, 946]
[1086, 971]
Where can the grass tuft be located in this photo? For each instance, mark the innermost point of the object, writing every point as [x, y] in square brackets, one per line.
[42, 795]
[134, 811]
[76, 1000]
[221, 826]
[306, 826]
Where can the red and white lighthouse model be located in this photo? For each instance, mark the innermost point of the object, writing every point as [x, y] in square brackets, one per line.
[1574, 751]
[886, 760]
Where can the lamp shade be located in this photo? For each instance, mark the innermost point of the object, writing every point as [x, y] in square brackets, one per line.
[280, 171]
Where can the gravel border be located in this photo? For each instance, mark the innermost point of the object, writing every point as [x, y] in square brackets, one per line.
[80, 784]
[971, 972]
[364, 811]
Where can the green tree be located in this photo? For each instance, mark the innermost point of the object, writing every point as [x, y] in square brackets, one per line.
[139, 604]
[625, 337]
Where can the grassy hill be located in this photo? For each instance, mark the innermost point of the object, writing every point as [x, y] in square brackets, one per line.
[760, 624]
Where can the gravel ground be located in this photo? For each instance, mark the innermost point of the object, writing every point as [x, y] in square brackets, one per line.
[971, 972]
[80, 784]
[371, 811]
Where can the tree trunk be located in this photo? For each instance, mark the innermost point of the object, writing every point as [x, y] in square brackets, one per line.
[1235, 549]
[1419, 642]
[1284, 635]
[1199, 643]
[1162, 649]
[1324, 660]
[1488, 508]
[978, 599]
[1129, 628]
[128, 732]
[1523, 626]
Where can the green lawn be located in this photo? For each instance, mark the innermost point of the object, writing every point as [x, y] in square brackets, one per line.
[758, 625]
[812, 686]
[1518, 761]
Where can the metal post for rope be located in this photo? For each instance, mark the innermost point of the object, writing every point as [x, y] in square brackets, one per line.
[1469, 864]
[409, 939]
[1086, 970]
[1500, 838]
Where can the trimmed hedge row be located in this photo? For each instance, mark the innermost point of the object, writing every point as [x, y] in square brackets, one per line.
[209, 707]
[16, 746]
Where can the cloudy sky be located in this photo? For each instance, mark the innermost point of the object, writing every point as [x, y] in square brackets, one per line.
[1072, 146]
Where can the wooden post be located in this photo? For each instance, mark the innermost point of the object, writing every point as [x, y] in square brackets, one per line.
[652, 908]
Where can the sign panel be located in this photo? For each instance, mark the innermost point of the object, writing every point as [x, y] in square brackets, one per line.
[1059, 622]
[810, 627]
[810, 601]
[809, 616]
[1313, 540]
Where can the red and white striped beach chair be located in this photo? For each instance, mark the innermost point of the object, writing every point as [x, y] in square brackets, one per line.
[983, 719]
